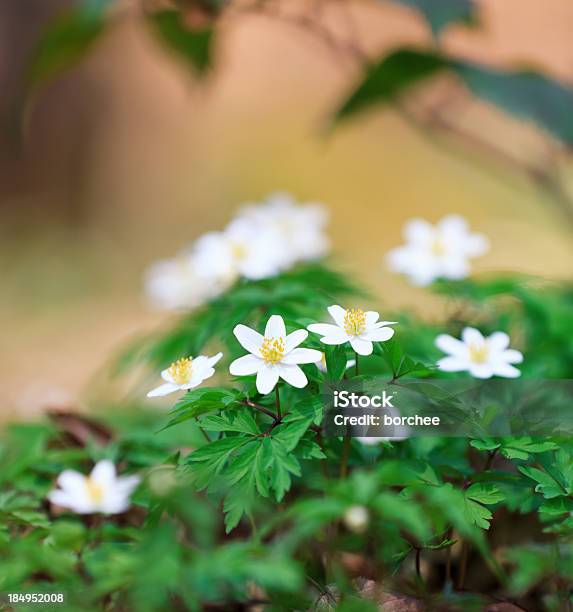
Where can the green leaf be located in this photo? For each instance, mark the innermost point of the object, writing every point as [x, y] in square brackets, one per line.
[477, 514]
[484, 493]
[546, 484]
[64, 42]
[524, 94]
[194, 46]
[386, 80]
[485, 444]
[241, 422]
[335, 362]
[441, 13]
[197, 402]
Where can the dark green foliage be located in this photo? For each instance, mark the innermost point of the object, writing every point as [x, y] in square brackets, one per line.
[192, 46]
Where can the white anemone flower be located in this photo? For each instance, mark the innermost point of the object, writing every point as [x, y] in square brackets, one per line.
[481, 357]
[356, 518]
[299, 227]
[102, 491]
[355, 326]
[242, 249]
[173, 284]
[186, 373]
[274, 355]
[436, 251]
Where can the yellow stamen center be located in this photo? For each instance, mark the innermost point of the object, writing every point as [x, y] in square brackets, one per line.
[438, 248]
[354, 321]
[272, 349]
[181, 371]
[95, 491]
[239, 251]
[478, 352]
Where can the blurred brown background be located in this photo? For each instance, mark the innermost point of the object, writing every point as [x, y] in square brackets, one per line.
[126, 158]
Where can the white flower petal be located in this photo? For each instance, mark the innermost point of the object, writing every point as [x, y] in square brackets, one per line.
[452, 364]
[498, 341]
[480, 370]
[294, 339]
[371, 317]
[378, 335]
[71, 481]
[163, 390]
[418, 231]
[506, 370]
[454, 267]
[275, 327]
[470, 335]
[324, 329]
[249, 339]
[267, 378]
[215, 359]
[104, 473]
[512, 356]
[293, 375]
[361, 346]
[451, 345]
[476, 245]
[453, 226]
[302, 355]
[337, 313]
[246, 365]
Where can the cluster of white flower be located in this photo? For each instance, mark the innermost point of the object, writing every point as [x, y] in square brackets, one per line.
[263, 240]
[436, 251]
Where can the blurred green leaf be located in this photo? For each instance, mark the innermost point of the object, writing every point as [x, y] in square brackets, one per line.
[193, 46]
[441, 13]
[64, 42]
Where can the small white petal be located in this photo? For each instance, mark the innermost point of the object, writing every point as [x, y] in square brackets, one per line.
[337, 313]
[294, 339]
[267, 378]
[378, 335]
[512, 356]
[450, 345]
[418, 231]
[481, 370]
[453, 226]
[302, 355]
[454, 267]
[498, 341]
[361, 346]
[293, 375]
[324, 329]
[249, 339]
[470, 335]
[506, 370]
[163, 390]
[452, 364]
[476, 245]
[215, 359]
[104, 473]
[371, 317]
[246, 365]
[275, 327]
[71, 481]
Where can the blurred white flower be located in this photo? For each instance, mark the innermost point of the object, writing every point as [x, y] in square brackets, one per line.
[101, 491]
[356, 518]
[186, 373]
[172, 284]
[436, 251]
[355, 326]
[242, 249]
[481, 357]
[274, 355]
[299, 227]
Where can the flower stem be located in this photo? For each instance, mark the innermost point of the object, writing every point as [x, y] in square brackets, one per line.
[278, 402]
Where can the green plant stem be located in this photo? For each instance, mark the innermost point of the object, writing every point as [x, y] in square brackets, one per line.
[356, 368]
[278, 402]
[345, 455]
[418, 564]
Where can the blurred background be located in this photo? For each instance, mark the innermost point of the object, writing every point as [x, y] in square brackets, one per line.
[126, 156]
